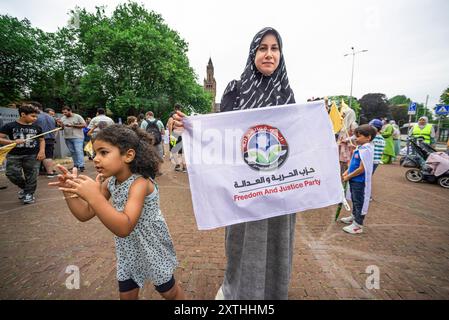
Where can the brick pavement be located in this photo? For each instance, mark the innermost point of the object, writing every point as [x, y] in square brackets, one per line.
[406, 237]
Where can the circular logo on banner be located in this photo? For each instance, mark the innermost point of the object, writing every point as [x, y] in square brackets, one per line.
[264, 148]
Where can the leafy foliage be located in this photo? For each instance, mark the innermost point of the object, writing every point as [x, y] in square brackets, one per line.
[130, 62]
[399, 113]
[355, 105]
[23, 58]
[399, 108]
[374, 105]
[399, 100]
[444, 98]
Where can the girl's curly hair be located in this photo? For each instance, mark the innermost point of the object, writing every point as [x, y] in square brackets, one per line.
[147, 160]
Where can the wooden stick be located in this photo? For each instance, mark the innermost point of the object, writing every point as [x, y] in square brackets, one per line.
[43, 134]
[8, 145]
[346, 130]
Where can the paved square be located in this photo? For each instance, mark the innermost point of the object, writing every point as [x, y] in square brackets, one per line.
[406, 239]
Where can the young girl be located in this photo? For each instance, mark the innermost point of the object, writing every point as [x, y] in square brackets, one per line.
[127, 164]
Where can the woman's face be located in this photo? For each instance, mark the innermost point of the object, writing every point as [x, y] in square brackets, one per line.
[268, 55]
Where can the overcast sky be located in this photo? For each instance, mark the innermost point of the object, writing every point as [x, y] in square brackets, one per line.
[407, 40]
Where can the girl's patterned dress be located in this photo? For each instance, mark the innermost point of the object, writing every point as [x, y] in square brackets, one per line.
[148, 252]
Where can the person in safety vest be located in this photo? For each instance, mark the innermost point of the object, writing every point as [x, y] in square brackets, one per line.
[387, 133]
[423, 130]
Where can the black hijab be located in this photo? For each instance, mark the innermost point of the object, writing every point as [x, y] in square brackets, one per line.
[254, 90]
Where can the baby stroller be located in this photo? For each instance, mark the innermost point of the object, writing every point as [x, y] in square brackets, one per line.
[428, 164]
[417, 153]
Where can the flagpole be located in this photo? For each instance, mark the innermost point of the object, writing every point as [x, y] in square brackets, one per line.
[347, 133]
[39, 135]
[343, 202]
[43, 134]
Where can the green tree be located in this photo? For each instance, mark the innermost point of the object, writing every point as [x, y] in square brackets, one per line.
[355, 105]
[399, 113]
[399, 100]
[48, 86]
[132, 61]
[399, 109]
[374, 105]
[444, 98]
[24, 58]
[129, 62]
[398, 106]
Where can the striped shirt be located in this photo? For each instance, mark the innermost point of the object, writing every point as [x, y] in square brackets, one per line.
[379, 146]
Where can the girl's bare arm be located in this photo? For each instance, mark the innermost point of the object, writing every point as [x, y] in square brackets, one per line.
[80, 208]
[119, 223]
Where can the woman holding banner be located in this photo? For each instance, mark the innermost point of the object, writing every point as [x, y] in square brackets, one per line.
[259, 253]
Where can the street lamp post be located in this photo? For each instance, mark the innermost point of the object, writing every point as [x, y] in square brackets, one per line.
[352, 74]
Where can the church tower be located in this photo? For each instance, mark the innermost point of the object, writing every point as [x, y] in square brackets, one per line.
[210, 85]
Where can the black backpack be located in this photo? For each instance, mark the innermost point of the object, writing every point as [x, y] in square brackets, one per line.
[153, 129]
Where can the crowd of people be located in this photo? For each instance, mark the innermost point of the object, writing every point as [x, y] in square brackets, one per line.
[77, 132]
[127, 158]
[362, 149]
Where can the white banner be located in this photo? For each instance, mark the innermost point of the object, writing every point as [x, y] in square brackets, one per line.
[255, 164]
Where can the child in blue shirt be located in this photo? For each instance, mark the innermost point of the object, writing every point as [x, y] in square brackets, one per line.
[359, 176]
[378, 142]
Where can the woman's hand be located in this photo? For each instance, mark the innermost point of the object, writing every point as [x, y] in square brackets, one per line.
[65, 176]
[178, 119]
[84, 186]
